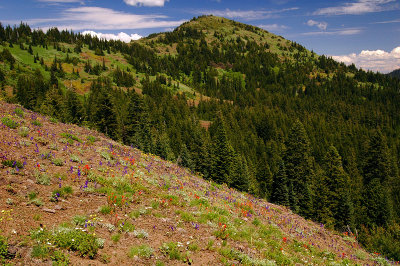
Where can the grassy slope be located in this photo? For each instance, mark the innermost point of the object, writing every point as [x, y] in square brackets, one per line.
[203, 222]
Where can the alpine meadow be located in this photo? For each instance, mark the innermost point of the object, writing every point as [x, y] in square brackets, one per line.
[217, 143]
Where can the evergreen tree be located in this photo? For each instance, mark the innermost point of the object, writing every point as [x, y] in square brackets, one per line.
[377, 175]
[280, 190]
[223, 153]
[299, 168]
[377, 160]
[185, 158]
[338, 184]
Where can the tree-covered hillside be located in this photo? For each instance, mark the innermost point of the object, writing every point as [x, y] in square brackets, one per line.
[235, 103]
[395, 73]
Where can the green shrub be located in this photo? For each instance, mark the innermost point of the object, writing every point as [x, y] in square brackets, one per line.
[18, 111]
[62, 192]
[91, 139]
[32, 195]
[3, 248]
[40, 251]
[143, 251]
[171, 249]
[79, 220]
[13, 164]
[116, 237]
[127, 227]
[105, 209]
[75, 158]
[36, 201]
[23, 131]
[36, 123]
[9, 122]
[42, 179]
[71, 239]
[57, 162]
[70, 136]
[59, 258]
[53, 120]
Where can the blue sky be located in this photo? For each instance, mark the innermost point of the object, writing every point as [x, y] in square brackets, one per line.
[366, 32]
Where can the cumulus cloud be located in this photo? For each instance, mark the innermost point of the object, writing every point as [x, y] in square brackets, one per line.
[122, 36]
[377, 60]
[273, 27]
[359, 7]
[320, 25]
[99, 18]
[145, 2]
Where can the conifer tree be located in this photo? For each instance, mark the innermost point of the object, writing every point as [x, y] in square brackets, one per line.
[185, 158]
[299, 169]
[338, 184]
[280, 190]
[377, 175]
[223, 153]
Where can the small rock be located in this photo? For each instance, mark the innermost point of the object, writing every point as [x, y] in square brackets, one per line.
[30, 181]
[49, 210]
[59, 208]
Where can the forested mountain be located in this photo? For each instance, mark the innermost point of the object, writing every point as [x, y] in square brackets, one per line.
[395, 73]
[235, 103]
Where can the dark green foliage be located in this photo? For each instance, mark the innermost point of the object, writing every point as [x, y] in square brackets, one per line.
[72, 239]
[13, 164]
[377, 161]
[9, 122]
[334, 192]
[377, 175]
[299, 169]
[224, 154]
[3, 248]
[280, 190]
[185, 158]
[122, 78]
[382, 240]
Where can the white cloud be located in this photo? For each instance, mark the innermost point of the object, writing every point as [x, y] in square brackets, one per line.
[273, 27]
[358, 7]
[99, 18]
[145, 2]
[350, 31]
[246, 14]
[122, 36]
[377, 60]
[321, 25]
[61, 1]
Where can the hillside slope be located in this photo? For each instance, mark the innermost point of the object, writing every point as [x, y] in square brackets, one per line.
[137, 208]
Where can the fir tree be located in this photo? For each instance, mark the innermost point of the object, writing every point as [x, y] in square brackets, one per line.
[299, 168]
[223, 153]
[280, 190]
